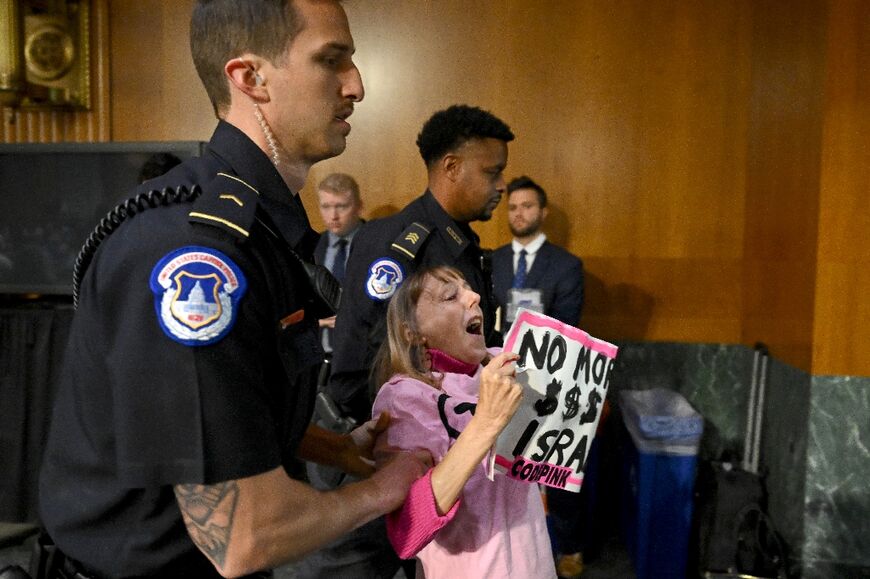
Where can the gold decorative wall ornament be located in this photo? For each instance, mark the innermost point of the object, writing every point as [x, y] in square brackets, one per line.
[44, 54]
[11, 57]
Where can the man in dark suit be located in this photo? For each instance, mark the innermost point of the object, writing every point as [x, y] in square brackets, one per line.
[532, 272]
[340, 206]
[547, 277]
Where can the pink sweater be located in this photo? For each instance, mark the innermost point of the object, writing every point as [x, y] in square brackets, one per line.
[497, 529]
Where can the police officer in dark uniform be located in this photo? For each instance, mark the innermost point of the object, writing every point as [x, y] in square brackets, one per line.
[465, 151]
[188, 382]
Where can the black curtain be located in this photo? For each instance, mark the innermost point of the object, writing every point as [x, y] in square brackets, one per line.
[32, 342]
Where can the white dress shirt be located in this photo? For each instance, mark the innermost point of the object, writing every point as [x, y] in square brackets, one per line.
[531, 250]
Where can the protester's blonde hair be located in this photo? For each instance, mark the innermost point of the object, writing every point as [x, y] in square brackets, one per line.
[403, 351]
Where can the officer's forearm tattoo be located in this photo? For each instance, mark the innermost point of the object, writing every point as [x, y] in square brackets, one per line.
[208, 512]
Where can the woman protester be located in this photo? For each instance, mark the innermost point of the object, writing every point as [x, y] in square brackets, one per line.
[447, 394]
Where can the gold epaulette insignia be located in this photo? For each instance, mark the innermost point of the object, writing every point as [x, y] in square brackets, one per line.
[409, 242]
[227, 202]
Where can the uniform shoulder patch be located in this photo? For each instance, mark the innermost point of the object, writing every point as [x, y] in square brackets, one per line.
[385, 277]
[196, 294]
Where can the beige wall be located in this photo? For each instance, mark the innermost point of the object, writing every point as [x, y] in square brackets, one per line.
[707, 159]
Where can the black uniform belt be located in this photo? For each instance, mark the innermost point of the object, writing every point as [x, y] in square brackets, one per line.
[49, 562]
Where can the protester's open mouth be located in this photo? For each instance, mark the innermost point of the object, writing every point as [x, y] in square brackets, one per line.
[475, 326]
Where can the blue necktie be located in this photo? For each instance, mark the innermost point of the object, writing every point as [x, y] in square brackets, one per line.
[340, 259]
[338, 269]
[520, 275]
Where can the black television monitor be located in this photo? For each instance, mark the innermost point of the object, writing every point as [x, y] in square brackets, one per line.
[51, 198]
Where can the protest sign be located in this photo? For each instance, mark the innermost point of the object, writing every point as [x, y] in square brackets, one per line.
[565, 373]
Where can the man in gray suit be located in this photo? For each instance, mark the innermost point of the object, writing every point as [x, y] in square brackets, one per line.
[340, 206]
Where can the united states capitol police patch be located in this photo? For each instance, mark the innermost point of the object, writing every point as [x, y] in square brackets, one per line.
[385, 277]
[196, 294]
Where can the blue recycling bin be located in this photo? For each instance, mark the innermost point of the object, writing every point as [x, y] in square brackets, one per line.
[663, 432]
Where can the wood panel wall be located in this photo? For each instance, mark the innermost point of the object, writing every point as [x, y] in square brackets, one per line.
[633, 115]
[782, 179]
[156, 92]
[706, 159]
[841, 340]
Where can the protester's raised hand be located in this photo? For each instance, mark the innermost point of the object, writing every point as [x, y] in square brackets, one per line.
[500, 394]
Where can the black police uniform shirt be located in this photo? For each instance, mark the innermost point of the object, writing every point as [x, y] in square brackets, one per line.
[385, 252]
[141, 405]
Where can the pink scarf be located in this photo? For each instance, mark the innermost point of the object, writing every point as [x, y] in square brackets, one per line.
[445, 363]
